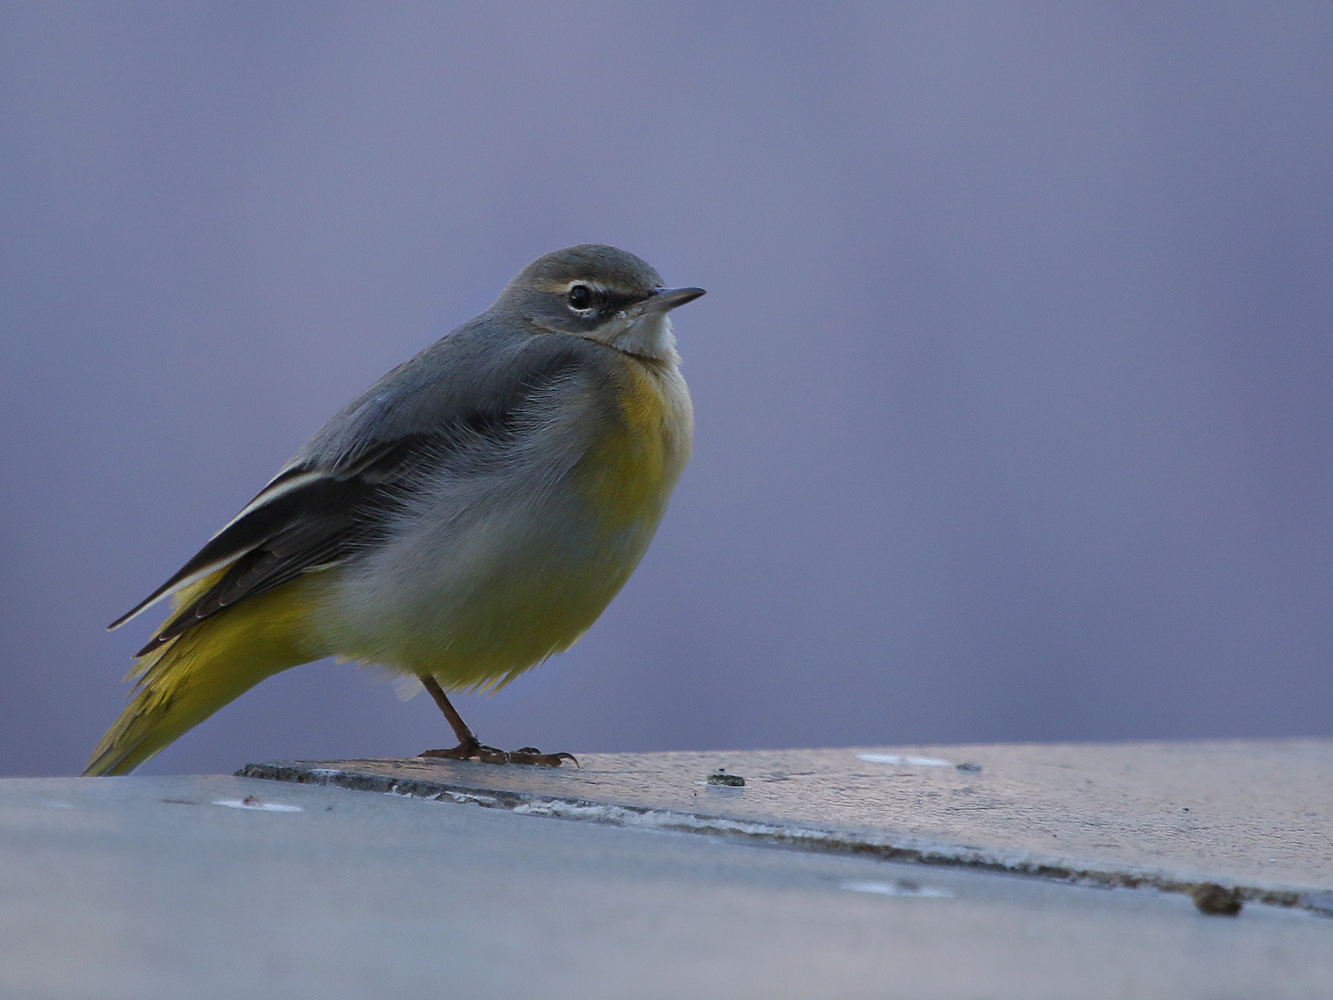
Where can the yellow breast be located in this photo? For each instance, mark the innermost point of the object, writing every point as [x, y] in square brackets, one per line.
[632, 470]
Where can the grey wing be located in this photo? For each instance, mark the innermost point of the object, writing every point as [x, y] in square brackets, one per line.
[331, 503]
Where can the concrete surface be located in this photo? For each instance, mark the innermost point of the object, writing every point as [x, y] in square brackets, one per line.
[190, 887]
[1256, 816]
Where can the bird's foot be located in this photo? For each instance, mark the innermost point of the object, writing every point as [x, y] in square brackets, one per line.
[470, 750]
[475, 750]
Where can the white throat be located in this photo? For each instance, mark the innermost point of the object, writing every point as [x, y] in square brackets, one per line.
[648, 335]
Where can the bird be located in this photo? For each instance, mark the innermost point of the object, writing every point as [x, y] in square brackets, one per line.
[466, 517]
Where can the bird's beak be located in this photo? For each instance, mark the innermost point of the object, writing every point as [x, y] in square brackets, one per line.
[666, 299]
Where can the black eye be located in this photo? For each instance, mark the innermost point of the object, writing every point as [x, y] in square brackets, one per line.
[580, 297]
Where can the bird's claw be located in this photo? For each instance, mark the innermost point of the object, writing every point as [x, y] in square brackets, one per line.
[531, 755]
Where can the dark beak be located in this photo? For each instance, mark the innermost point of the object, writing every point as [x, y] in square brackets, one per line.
[666, 299]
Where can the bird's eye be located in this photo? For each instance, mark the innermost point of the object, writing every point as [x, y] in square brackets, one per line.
[580, 297]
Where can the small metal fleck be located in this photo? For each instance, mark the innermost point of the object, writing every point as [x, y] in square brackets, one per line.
[721, 777]
[971, 767]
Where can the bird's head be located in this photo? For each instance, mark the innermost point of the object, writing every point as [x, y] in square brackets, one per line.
[601, 293]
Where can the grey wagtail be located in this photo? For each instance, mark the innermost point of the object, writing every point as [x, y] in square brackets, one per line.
[464, 518]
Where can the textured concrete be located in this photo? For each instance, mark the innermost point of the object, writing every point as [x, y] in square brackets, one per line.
[179, 888]
[1257, 816]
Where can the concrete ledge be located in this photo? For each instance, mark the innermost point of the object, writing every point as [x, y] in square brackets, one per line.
[1254, 817]
[157, 888]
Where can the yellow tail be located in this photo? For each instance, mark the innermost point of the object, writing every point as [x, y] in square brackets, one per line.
[183, 682]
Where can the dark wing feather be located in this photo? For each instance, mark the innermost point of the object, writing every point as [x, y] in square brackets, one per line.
[255, 522]
[318, 523]
[286, 499]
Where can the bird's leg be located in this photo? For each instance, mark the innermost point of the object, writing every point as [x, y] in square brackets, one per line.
[470, 748]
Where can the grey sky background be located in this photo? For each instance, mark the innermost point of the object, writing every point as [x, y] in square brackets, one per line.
[1013, 382]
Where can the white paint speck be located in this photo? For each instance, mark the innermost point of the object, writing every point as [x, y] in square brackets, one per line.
[897, 889]
[888, 758]
[273, 807]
